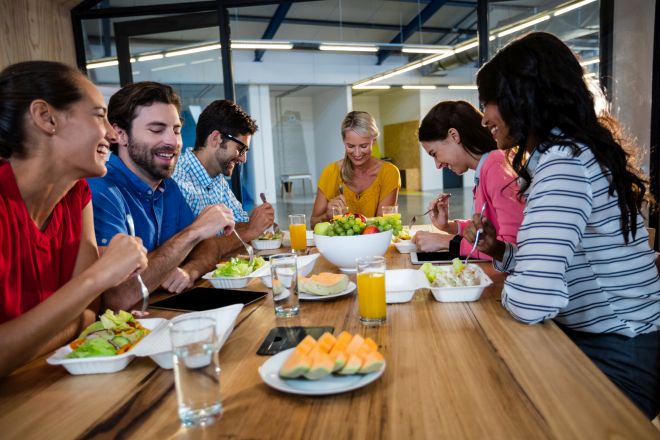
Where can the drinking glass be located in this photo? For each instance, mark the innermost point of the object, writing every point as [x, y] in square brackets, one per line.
[371, 290]
[196, 370]
[390, 210]
[284, 272]
[298, 231]
[339, 211]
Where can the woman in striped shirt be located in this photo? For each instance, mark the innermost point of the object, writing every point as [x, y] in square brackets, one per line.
[582, 256]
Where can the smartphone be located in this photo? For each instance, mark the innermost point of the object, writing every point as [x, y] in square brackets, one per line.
[430, 257]
[207, 298]
[283, 338]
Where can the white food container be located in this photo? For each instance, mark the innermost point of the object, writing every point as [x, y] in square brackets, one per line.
[462, 294]
[305, 265]
[400, 284]
[264, 245]
[236, 282]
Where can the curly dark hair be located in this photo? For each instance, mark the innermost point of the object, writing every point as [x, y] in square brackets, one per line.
[537, 83]
[225, 116]
[22, 83]
[463, 117]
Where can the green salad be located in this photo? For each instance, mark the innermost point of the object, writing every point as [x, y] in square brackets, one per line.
[237, 267]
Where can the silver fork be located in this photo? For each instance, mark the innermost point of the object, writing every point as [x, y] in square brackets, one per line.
[143, 287]
[414, 219]
[476, 237]
[247, 247]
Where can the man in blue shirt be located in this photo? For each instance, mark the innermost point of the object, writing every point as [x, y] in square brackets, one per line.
[222, 142]
[137, 196]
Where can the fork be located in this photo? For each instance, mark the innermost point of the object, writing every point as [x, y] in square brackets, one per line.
[247, 247]
[143, 287]
[476, 237]
[414, 218]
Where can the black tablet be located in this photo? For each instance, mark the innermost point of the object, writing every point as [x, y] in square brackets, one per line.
[207, 298]
[282, 338]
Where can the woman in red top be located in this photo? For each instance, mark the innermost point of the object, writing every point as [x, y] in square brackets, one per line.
[53, 133]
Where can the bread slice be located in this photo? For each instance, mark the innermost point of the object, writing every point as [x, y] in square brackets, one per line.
[324, 283]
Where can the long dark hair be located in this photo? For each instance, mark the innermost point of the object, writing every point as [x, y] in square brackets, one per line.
[22, 83]
[463, 117]
[537, 83]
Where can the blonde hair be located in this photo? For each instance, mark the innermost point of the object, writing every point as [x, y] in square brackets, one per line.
[363, 124]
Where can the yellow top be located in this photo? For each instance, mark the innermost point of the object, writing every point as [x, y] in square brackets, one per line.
[366, 203]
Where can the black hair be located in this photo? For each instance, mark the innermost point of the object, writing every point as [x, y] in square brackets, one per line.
[20, 85]
[463, 117]
[537, 83]
[226, 117]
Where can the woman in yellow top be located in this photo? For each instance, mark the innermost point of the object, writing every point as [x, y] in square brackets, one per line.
[359, 181]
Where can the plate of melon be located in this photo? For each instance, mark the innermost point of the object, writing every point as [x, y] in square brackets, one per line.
[327, 366]
[323, 286]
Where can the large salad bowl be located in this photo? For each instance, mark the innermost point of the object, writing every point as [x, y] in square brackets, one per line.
[343, 250]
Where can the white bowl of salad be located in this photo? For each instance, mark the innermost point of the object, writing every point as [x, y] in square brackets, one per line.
[457, 282]
[268, 240]
[236, 273]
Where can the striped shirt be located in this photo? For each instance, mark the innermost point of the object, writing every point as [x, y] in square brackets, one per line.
[571, 262]
[202, 190]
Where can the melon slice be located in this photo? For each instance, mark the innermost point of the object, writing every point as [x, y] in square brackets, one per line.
[353, 365]
[355, 344]
[322, 365]
[339, 357]
[325, 342]
[324, 283]
[372, 362]
[344, 338]
[306, 345]
[296, 365]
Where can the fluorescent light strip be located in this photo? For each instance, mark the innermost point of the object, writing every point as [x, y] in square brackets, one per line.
[133, 60]
[438, 58]
[364, 87]
[173, 66]
[590, 62]
[572, 7]
[157, 56]
[102, 64]
[347, 48]
[177, 53]
[462, 87]
[466, 47]
[419, 87]
[425, 50]
[258, 45]
[523, 26]
[205, 60]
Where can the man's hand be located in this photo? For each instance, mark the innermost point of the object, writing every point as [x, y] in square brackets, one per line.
[262, 217]
[177, 281]
[431, 241]
[212, 220]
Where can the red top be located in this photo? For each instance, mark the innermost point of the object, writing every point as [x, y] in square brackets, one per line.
[35, 263]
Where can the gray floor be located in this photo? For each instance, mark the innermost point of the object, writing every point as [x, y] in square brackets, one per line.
[410, 203]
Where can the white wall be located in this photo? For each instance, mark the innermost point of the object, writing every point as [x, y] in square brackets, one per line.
[261, 153]
[330, 107]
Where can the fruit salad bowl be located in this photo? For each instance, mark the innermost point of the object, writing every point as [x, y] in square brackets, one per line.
[342, 251]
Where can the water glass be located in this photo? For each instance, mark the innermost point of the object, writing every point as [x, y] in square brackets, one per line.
[390, 210]
[371, 290]
[284, 272]
[298, 231]
[196, 370]
[339, 211]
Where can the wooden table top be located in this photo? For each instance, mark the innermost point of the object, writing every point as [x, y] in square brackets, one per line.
[454, 370]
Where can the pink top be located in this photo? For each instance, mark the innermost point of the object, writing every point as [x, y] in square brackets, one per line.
[497, 187]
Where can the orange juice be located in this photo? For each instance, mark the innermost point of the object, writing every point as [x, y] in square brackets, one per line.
[371, 297]
[298, 237]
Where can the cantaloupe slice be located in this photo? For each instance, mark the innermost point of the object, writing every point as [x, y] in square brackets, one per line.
[339, 357]
[324, 283]
[344, 338]
[371, 344]
[372, 362]
[355, 344]
[296, 365]
[306, 345]
[353, 365]
[325, 342]
[322, 365]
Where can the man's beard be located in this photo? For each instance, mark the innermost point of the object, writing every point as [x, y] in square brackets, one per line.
[143, 156]
[226, 168]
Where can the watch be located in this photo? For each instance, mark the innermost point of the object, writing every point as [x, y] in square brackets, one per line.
[455, 246]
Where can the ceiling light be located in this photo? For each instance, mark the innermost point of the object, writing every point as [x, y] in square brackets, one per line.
[589, 62]
[466, 47]
[171, 66]
[427, 49]
[523, 26]
[205, 60]
[261, 45]
[157, 56]
[571, 7]
[102, 64]
[347, 48]
[363, 87]
[419, 87]
[437, 58]
[177, 53]
[462, 87]
[133, 60]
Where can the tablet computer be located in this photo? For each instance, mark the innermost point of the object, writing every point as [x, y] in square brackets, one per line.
[283, 338]
[430, 257]
[207, 298]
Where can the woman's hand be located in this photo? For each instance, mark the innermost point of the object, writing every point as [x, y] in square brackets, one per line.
[488, 242]
[439, 211]
[337, 202]
[124, 256]
[431, 241]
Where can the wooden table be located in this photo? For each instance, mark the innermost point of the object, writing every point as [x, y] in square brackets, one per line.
[454, 370]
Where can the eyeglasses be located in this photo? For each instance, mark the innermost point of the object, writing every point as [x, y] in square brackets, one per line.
[242, 148]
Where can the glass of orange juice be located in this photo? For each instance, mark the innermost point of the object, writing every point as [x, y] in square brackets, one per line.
[298, 231]
[371, 290]
[339, 211]
[390, 210]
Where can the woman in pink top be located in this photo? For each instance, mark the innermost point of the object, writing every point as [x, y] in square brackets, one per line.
[452, 134]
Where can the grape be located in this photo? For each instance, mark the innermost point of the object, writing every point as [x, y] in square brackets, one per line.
[356, 229]
[350, 232]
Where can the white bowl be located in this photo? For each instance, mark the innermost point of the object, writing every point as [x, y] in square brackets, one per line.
[227, 282]
[305, 265]
[263, 245]
[462, 294]
[342, 251]
[405, 246]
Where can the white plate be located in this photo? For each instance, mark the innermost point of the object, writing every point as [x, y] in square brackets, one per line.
[332, 384]
[311, 297]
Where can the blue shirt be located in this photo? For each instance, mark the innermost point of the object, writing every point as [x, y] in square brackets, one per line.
[201, 190]
[157, 215]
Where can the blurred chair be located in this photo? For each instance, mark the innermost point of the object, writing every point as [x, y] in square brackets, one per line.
[286, 181]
